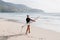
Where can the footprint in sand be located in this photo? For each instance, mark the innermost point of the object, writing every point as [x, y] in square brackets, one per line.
[36, 38]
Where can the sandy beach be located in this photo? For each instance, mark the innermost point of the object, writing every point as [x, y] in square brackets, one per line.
[10, 30]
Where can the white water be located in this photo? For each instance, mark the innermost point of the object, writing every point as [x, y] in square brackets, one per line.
[50, 21]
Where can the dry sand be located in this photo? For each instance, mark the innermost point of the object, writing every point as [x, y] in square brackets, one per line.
[12, 31]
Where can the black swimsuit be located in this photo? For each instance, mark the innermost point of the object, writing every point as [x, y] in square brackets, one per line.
[27, 20]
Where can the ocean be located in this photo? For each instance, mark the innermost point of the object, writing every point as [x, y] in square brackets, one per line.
[49, 21]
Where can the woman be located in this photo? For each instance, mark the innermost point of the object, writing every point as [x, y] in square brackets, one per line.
[28, 24]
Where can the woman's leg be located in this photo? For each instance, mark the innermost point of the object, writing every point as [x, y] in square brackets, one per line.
[28, 29]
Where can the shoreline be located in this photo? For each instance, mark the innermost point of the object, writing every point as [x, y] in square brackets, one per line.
[16, 21]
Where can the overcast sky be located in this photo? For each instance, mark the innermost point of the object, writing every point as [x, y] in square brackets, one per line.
[46, 5]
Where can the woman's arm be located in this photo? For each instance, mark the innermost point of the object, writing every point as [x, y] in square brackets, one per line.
[32, 20]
